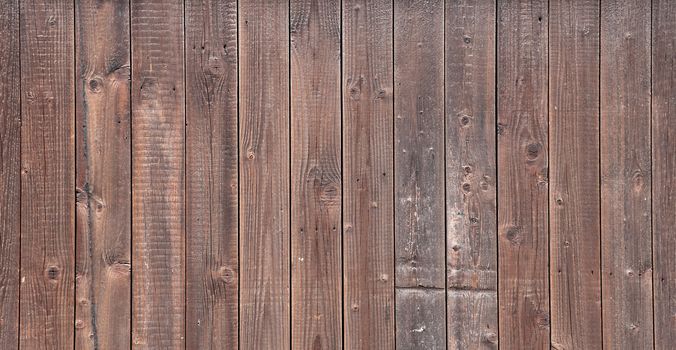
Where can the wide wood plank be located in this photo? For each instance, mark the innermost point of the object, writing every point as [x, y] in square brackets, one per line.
[626, 175]
[471, 175]
[574, 198]
[47, 175]
[103, 176]
[264, 174]
[10, 173]
[212, 264]
[368, 202]
[420, 324]
[158, 185]
[664, 170]
[316, 189]
[522, 175]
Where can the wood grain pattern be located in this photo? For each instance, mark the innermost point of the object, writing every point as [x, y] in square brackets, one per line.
[575, 235]
[626, 175]
[212, 264]
[10, 174]
[47, 175]
[368, 202]
[664, 171]
[471, 216]
[158, 171]
[103, 176]
[420, 324]
[316, 183]
[264, 175]
[523, 175]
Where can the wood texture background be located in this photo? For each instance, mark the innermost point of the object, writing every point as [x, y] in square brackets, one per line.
[355, 174]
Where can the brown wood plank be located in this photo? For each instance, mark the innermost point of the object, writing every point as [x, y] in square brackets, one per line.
[574, 174]
[420, 325]
[664, 170]
[470, 175]
[212, 264]
[522, 175]
[626, 175]
[264, 174]
[158, 185]
[103, 176]
[316, 189]
[368, 202]
[47, 175]
[10, 173]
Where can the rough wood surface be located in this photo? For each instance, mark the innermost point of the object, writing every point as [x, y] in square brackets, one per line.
[368, 202]
[420, 324]
[626, 175]
[158, 171]
[212, 264]
[523, 175]
[471, 216]
[103, 176]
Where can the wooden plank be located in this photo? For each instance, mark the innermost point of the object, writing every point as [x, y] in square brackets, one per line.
[10, 173]
[574, 197]
[420, 325]
[471, 175]
[158, 184]
[212, 264]
[264, 175]
[522, 175]
[316, 183]
[368, 202]
[664, 170]
[103, 176]
[47, 175]
[626, 175]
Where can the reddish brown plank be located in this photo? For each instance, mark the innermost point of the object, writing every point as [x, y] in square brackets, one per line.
[472, 315]
[103, 176]
[664, 170]
[522, 175]
[158, 185]
[264, 174]
[212, 265]
[10, 173]
[47, 175]
[626, 175]
[368, 203]
[316, 189]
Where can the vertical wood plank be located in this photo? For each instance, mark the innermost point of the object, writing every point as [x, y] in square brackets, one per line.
[316, 190]
[103, 175]
[574, 174]
[470, 175]
[419, 178]
[212, 264]
[158, 184]
[47, 175]
[368, 204]
[10, 173]
[264, 174]
[626, 175]
[664, 170]
[523, 175]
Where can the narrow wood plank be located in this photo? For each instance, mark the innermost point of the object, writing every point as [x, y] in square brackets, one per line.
[574, 174]
[419, 178]
[523, 175]
[47, 175]
[10, 173]
[316, 189]
[664, 170]
[103, 175]
[471, 175]
[264, 175]
[212, 264]
[368, 202]
[626, 175]
[158, 184]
